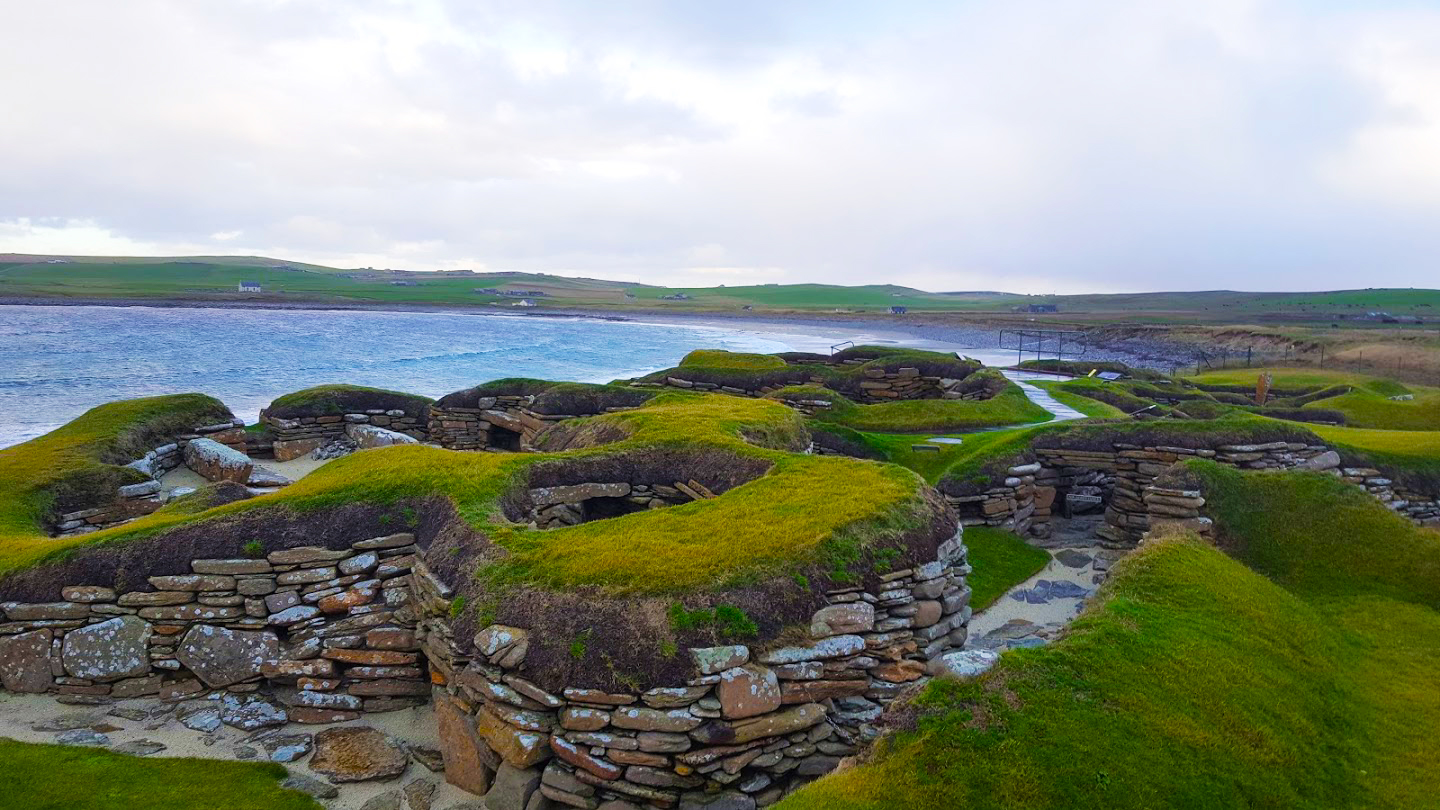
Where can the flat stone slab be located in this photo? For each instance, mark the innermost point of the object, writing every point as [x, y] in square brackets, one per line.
[1070, 558]
[216, 462]
[288, 747]
[25, 662]
[357, 754]
[221, 657]
[108, 651]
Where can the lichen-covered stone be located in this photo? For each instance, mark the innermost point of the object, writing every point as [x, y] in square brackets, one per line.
[220, 656]
[837, 620]
[216, 462]
[823, 650]
[519, 748]
[25, 662]
[108, 651]
[710, 660]
[748, 691]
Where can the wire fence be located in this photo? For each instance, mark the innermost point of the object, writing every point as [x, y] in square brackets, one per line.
[1215, 358]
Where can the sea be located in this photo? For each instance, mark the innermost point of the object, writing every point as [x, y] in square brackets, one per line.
[56, 362]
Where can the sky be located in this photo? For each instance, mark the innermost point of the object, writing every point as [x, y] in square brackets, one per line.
[1040, 147]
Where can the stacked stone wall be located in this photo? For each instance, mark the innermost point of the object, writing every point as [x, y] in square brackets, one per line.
[474, 428]
[328, 632]
[1122, 475]
[751, 724]
[293, 438]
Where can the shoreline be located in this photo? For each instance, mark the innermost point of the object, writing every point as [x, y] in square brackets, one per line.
[943, 331]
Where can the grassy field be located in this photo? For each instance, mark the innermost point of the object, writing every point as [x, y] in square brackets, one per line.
[68, 777]
[1195, 681]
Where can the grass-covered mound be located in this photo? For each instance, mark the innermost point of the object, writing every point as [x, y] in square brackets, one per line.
[843, 371]
[329, 400]
[1009, 407]
[68, 777]
[573, 399]
[1363, 401]
[1409, 456]
[1195, 681]
[720, 358]
[1320, 536]
[783, 527]
[79, 465]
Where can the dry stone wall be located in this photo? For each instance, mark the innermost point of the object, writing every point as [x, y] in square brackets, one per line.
[329, 633]
[293, 438]
[752, 723]
[1122, 477]
[498, 423]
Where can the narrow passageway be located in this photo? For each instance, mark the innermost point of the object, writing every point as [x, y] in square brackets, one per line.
[1040, 396]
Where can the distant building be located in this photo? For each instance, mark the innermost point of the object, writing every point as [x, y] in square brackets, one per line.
[1044, 308]
[525, 303]
[675, 297]
[404, 284]
[899, 310]
[250, 287]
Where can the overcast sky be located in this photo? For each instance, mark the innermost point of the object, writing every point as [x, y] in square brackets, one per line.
[1105, 145]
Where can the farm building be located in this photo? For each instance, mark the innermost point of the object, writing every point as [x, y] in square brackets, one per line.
[250, 287]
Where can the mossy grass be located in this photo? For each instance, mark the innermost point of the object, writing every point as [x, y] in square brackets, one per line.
[825, 511]
[843, 371]
[1362, 399]
[68, 777]
[1351, 546]
[1195, 681]
[1001, 560]
[1009, 407]
[327, 400]
[77, 465]
[720, 358]
[1066, 393]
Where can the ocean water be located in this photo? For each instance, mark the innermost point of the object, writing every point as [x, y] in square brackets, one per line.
[58, 361]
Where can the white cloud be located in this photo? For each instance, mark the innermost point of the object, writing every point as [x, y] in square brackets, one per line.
[1120, 144]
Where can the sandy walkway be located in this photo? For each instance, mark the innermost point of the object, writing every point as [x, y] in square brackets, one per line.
[295, 469]
[414, 727]
[1037, 609]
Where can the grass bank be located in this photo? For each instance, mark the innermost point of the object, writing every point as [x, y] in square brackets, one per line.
[79, 463]
[1197, 681]
[1009, 407]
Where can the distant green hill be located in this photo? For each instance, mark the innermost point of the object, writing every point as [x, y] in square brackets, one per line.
[214, 278]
